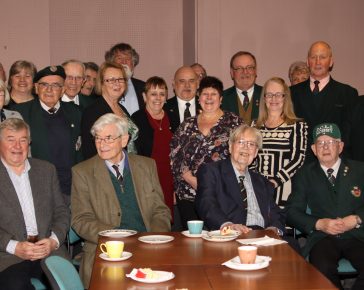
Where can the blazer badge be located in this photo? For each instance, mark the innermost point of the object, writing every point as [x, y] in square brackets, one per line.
[356, 191]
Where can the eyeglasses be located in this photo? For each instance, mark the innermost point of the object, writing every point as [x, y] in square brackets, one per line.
[328, 143]
[249, 68]
[115, 80]
[270, 96]
[107, 139]
[53, 86]
[246, 144]
[78, 79]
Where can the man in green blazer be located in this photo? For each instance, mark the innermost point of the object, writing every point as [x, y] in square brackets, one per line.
[114, 190]
[327, 204]
[243, 97]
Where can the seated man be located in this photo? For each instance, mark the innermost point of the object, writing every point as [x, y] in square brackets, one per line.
[230, 194]
[115, 190]
[34, 219]
[331, 188]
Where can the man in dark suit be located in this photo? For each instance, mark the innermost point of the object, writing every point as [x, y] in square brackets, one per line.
[332, 189]
[125, 55]
[184, 104]
[34, 219]
[243, 97]
[230, 194]
[55, 125]
[322, 99]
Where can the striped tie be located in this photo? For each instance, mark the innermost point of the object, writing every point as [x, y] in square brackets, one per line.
[330, 176]
[243, 192]
[118, 174]
[246, 100]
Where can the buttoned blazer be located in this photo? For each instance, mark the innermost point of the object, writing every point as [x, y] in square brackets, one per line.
[95, 206]
[312, 189]
[50, 210]
[219, 199]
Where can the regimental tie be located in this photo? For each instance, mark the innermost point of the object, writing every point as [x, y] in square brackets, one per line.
[187, 112]
[246, 100]
[52, 110]
[330, 176]
[316, 89]
[118, 174]
[243, 192]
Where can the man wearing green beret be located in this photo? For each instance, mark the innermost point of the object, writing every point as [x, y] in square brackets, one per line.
[327, 204]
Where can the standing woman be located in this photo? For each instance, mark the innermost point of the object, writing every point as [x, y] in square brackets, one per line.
[198, 140]
[155, 134]
[284, 138]
[20, 82]
[111, 84]
[4, 100]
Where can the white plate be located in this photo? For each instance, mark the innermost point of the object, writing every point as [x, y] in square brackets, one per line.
[163, 276]
[118, 233]
[124, 256]
[260, 263]
[215, 236]
[187, 234]
[156, 239]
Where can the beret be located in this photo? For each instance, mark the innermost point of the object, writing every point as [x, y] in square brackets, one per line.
[50, 71]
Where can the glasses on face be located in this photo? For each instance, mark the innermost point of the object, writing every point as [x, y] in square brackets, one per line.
[115, 80]
[107, 139]
[249, 68]
[77, 79]
[53, 86]
[246, 144]
[328, 143]
[278, 96]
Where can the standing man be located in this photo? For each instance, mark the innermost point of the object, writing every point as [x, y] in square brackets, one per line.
[332, 189]
[125, 55]
[243, 97]
[184, 104]
[55, 125]
[34, 219]
[322, 99]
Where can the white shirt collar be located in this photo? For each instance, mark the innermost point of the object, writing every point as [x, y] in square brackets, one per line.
[67, 99]
[336, 167]
[45, 107]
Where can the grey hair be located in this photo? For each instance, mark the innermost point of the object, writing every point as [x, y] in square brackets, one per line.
[74, 61]
[121, 124]
[6, 92]
[300, 66]
[245, 128]
[14, 124]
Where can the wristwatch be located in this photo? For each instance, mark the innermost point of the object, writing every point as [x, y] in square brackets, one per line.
[358, 222]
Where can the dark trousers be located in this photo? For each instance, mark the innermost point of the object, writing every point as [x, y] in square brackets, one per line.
[17, 276]
[326, 253]
[187, 211]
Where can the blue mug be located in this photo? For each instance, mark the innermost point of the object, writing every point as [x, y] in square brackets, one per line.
[195, 227]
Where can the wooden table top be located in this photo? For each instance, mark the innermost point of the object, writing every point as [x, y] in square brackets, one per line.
[196, 264]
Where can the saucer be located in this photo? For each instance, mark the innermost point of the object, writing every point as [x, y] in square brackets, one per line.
[260, 263]
[117, 233]
[124, 256]
[156, 239]
[215, 236]
[162, 277]
[187, 234]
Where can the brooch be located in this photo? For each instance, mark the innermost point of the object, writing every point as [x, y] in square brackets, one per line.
[346, 169]
[356, 191]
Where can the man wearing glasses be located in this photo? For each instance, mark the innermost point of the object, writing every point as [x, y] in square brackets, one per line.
[228, 194]
[327, 204]
[243, 97]
[115, 190]
[54, 125]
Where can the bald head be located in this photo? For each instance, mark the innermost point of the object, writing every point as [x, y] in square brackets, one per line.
[320, 60]
[185, 83]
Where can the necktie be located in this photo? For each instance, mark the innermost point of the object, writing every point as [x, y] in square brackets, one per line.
[331, 177]
[316, 89]
[3, 118]
[52, 110]
[243, 192]
[246, 100]
[187, 112]
[118, 174]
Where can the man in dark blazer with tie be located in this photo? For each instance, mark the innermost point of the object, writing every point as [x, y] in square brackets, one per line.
[332, 189]
[243, 97]
[321, 99]
[185, 102]
[34, 219]
[228, 194]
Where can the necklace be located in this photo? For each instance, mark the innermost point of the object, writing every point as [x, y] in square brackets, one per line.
[158, 122]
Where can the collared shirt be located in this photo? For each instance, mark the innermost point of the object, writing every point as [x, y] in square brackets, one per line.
[242, 97]
[23, 190]
[67, 99]
[254, 216]
[322, 84]
[335, 167]
[46, 108]
[182, 108]
[130, 100]
[122, 163]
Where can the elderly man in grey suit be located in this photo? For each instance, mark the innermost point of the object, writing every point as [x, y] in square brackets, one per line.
[34, 219]
[114, 190]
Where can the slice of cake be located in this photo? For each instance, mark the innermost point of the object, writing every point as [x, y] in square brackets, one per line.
[146, 273]
[225, 231]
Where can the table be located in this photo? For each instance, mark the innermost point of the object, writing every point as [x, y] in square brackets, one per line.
[197, 265]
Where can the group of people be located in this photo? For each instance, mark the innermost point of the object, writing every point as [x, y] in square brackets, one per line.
[117, 153]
